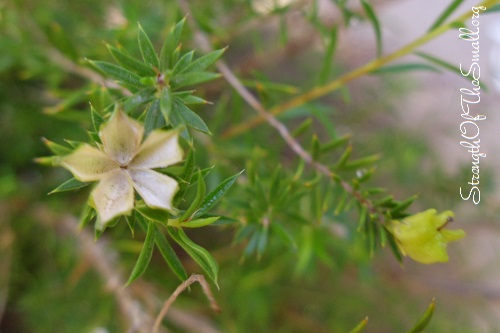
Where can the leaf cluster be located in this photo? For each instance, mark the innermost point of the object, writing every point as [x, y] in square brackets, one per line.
[155, 84]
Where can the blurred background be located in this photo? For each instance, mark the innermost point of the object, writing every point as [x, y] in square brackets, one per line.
[50, 278]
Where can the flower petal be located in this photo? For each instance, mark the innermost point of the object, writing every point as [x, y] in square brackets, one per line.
[121, 137]
[453, 235]
[156, 189]
[440, 220]
[160, 149]
[88, 164]
[113, 196]
[429, 252]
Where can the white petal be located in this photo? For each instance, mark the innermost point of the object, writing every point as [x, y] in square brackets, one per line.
[156, 189]
[113, 196]
[121, 137]
[160, 149]
[88, 164]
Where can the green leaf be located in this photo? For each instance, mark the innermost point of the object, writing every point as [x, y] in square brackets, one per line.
[201, 222]
[315, 147]
[341, 203]
[370, 13]
[69, 102]
[303, 127]
[57, 148]
[323, 114]
[284, 234]
[371, 233]
[131, 224]
[183, 62]
[147, 50]
[175, 56]
[425, 319]
[130, 63]
[154, 118]
[60, 39]
[187, 172]
[275, 184]
[166, 104]
[211, 199]
[191, 99]
[87, 215]
[328, 58]
[169, 46]
[200, 194]
[170, 256]
[145, 255]
[69, 185]
[222, 220]
[166, 251]
[363, 175]
[445, 14]
[139, 98]
[118, 73]
[393, 245]
[363, 216]
[387, 201]
[97, 119]
[335, 143]
[403, 205]
[157, 215]
[193, 78]
[448, 66]
[74, 144]
[205, 61]
[374, 190]
[196, 252]
[186, 176]
[100, 98]
[263, 238]
[360, 327]
[181, 114]
[361, 162]
[252, 243]
[47, 160]
[343, 158]
[405, 68]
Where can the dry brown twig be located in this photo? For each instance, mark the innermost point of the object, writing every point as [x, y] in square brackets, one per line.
[104, 260]
[192, 279]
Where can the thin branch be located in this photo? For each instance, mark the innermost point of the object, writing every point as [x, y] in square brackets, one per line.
[105, 262]
[320, 91]
[57, 57]
[69, 66]
[203, 42]
[192, 279]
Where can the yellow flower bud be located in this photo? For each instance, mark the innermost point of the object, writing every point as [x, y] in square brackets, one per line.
[422, 236]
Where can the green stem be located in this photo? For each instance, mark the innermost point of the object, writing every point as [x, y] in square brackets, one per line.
[341, 81]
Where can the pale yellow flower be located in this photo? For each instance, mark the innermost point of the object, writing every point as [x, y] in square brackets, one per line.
[122, 163]
[423, 236]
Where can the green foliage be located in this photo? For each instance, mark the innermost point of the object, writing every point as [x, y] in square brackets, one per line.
[425, 319]
[307, 233]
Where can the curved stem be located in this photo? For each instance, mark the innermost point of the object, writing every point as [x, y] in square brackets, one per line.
[192, 279]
